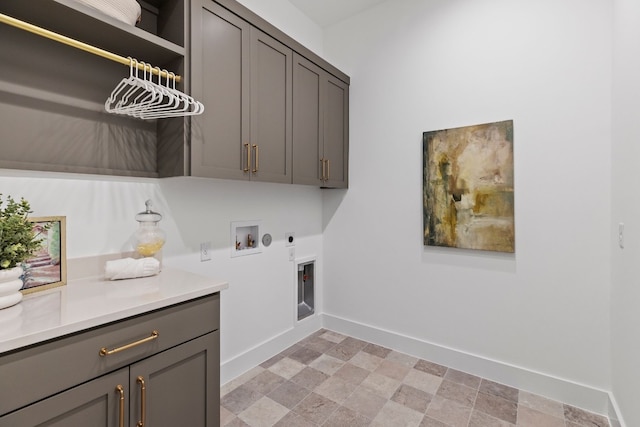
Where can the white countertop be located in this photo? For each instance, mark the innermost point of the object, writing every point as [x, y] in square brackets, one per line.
[90, 302]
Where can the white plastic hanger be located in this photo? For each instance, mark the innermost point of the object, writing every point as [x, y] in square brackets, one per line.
[167, 101]
[145, 99]
[140, 95]
[187, 105]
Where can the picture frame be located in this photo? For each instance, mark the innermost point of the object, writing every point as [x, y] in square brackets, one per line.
[48, 268]
[468, 187]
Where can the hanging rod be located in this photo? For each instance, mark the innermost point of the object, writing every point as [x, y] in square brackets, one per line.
[80, 45]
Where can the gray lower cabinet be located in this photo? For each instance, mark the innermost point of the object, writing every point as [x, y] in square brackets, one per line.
[171, 380]
[243, 76]
[96, 403]
[320, 126]
[182, 386]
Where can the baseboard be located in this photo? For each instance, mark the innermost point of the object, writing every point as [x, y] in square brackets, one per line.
[615, 416]
[579, 395]
[237, 365]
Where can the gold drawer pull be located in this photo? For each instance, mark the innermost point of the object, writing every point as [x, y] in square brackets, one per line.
[256, 151]
[143, 401]
[105, 352]
[120, 391]
[248, 167]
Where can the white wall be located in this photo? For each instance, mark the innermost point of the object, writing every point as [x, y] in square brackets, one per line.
[417, 66]
[290, 20]
[260, 302]
[625, 319]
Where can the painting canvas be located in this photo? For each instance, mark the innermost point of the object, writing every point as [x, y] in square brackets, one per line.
[468, 187]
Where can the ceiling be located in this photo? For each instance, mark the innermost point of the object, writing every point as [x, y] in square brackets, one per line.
[328, 12]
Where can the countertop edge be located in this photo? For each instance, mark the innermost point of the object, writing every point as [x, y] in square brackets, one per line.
[206, 286]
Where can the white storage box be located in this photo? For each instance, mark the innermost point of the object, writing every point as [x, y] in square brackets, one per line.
[123, 10]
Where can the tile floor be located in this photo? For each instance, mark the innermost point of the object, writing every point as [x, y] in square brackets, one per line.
[329, 379]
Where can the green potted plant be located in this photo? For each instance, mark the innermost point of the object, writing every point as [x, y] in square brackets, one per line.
[18, 243]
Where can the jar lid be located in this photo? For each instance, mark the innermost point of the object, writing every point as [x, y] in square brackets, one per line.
[148, 215]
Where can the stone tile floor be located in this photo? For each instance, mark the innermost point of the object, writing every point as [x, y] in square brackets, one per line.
[329, 379]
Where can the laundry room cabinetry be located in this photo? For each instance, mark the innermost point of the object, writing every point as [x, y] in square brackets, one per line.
[320, 126]
[158, 369]
[52, 95]
[243, 76]
[265, 118]
[240, 66]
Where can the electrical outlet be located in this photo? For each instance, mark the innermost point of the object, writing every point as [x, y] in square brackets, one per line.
[292, 254]
[205, 251]
[290, 239]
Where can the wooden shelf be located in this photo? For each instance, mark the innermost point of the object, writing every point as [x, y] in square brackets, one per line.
[52, 95]
[89, 25]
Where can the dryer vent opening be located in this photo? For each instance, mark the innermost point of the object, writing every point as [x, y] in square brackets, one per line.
[306, 285]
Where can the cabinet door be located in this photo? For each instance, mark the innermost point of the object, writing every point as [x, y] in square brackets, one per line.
[271, 84]
[320, 126]
[182, 385]
[308, 130]
[336, 133]
[96, 403]
[220, 79]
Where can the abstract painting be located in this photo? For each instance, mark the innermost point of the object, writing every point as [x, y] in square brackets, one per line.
[468, 187]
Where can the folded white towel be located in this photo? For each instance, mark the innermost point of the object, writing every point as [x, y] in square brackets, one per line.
[129, 268]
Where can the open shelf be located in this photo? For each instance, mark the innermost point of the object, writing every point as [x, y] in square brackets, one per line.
[52, 95]
[89, 25]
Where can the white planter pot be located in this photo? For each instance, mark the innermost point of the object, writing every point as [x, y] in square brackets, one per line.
[10, 285]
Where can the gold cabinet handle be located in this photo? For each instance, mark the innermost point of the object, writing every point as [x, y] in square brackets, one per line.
[322, 174]
[143, 401]
[105, 352]
[120, 390]
[248, 164]
[328, 170]
[256, 149]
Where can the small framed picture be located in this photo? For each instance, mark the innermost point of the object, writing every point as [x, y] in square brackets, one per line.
[48, 267]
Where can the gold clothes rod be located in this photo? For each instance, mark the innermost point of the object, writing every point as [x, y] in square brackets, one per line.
[80, 45]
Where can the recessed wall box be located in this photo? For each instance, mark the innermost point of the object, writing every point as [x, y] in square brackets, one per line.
[245, 238]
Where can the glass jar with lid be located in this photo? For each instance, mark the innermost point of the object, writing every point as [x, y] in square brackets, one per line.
[149, 237]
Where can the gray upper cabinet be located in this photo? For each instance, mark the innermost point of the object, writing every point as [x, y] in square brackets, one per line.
[220, 57]
[271, 108]
[243, 76]
[320, 126]
[308, 116]
[336, 134]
